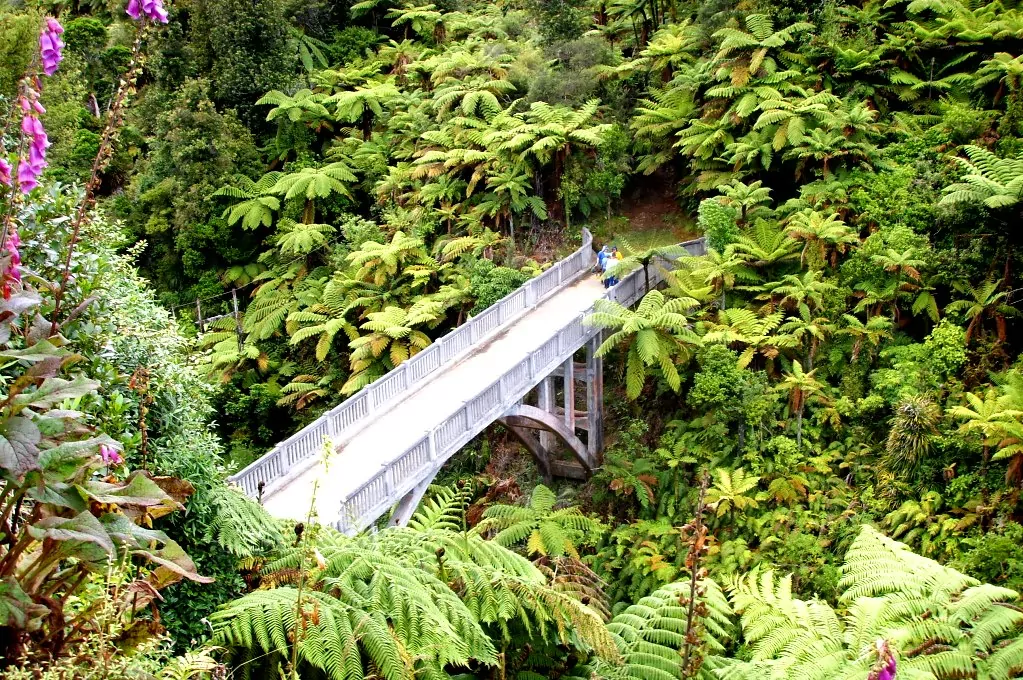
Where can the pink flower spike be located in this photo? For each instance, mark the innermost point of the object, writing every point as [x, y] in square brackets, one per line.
[133, 9]
[50, 46]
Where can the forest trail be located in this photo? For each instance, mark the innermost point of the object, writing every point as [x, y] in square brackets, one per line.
[400, 425]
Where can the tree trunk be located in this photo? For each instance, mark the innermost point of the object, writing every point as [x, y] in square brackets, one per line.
[799, 428]
[511, 237]
[985, 456]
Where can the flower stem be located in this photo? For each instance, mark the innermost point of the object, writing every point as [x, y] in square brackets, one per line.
[115, 116]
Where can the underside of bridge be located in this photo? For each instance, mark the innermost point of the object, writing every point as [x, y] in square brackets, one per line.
[543, 425]
[564, 405]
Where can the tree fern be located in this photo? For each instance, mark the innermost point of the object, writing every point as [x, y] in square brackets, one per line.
[444, 510]
[938, 622]
[403, 603]
[242, 526]
[995, 182]
[651, 633]
[546, 531]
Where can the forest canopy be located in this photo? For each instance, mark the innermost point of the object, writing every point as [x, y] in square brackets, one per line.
[221, 219]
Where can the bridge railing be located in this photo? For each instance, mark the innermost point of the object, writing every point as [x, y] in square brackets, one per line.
[283, 460]
[402, 472]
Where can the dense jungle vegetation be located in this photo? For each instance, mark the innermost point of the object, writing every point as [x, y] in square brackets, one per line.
[221, 218]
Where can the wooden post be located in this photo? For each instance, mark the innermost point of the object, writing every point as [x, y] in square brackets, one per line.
[237, 318]
[198, 315]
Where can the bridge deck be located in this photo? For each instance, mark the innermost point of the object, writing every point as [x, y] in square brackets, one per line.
[387, 432]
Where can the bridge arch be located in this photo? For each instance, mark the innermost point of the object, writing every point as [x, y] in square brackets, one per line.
[522, 418]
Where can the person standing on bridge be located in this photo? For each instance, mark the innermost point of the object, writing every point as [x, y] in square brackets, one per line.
[605, 267]
[602, 255]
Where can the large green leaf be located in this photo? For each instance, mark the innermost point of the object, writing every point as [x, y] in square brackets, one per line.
[58, 495]
[63, 461]
[19, 445]
[139, 491]
[83, 528]
[55, 390]
[17, 610]
[154, 546]
[40, 351]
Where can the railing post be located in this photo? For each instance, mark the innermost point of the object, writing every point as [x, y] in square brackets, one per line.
[281, 464]
[431, 443]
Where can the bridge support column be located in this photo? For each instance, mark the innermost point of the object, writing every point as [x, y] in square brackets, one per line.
[594, 400]
[553, 422]
[545, 402]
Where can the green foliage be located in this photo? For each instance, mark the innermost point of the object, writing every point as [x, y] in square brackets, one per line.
[488, 283]
[18, 31]
[547, 531]
[559, 20]
[945, 348]
[990, 180]
[403, 602]
[656, 332]
[74, 514]
[995, 557]
[718, 222]
[168, 203]
[652, 632]
[247, 51]
[939, 622]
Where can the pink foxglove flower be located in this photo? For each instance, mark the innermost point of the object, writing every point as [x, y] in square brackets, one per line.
[151, 9]
[51, 46]
[109, 455]
[154, 10]
[5, 172]
[885, 667]
[30, 168]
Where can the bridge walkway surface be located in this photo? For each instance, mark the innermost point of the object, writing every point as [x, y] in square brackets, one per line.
[360, 456]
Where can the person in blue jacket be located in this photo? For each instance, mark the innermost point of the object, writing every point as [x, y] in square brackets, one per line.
[605, 266]
[604, 253]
